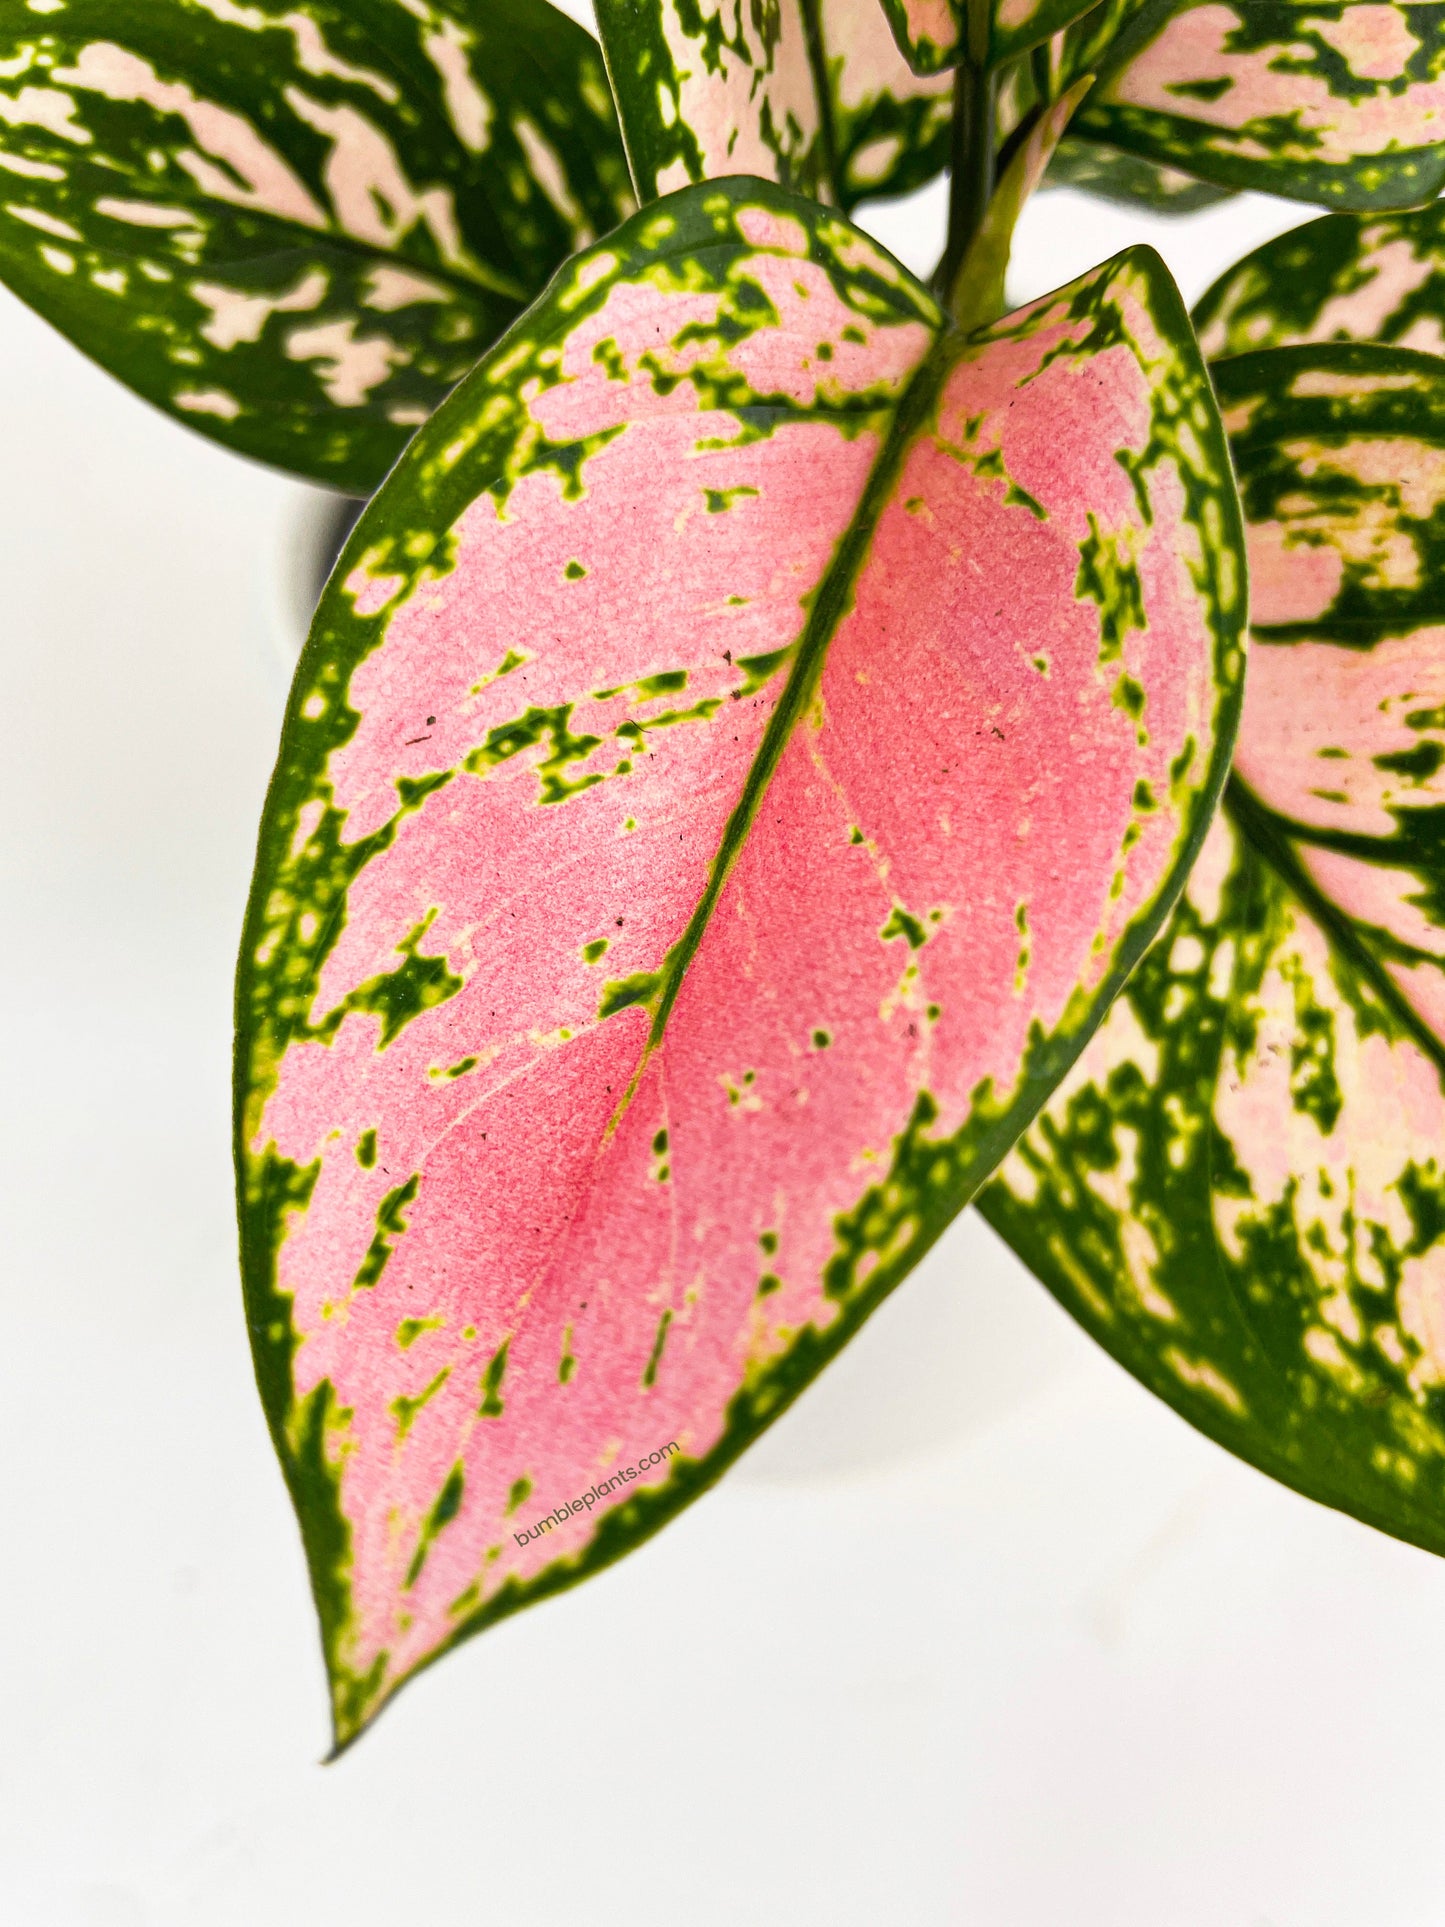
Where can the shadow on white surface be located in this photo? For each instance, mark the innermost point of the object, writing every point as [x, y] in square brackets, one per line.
[969, 1340]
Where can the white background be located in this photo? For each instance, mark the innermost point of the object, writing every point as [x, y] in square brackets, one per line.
[980, 1636]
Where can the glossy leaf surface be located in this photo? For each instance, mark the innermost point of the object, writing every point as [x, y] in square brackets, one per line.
[1338, 104]
[295, 227]
[1345, 277]
[1240, 1189]
[812, 93]
[740, 753]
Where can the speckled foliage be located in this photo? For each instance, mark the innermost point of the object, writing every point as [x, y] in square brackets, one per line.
[1089, 163]
[295, 227]
[810, 93]
[1339, 104]
[740, 754]
[1347, 277]
[888, 128]
[1240, 1189]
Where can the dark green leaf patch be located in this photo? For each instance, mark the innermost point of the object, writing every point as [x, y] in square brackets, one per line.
[391, 1224]
[448, 1505]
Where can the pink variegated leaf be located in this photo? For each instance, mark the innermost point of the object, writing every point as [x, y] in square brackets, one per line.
[930, 33]
[1129, 180]
[742, 751]
[1240, 1188]
[812, 93]
[890, 127]
[1346, 277]
[1092, 46]
[711, 87]
[296, 224]
[1341, 103]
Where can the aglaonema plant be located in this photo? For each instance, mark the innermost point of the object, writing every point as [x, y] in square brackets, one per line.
[773, 762]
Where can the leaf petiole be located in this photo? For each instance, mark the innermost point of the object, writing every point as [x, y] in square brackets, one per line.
[972, 169]
[976, 296]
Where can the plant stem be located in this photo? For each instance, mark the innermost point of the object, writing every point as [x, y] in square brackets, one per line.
[971, 180]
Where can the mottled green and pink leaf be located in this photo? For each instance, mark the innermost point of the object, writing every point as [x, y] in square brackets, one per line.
[811, 93]
[713, 87]
[1240, 1189]
[1345, 277]
[295, 227]
[740, 755]
[889, 129]
[1343, 104]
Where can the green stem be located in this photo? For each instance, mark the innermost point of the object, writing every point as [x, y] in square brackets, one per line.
[828, 134]
[971, 181]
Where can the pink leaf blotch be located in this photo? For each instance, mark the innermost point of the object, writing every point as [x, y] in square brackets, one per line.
[741, 753]
[1342, 104]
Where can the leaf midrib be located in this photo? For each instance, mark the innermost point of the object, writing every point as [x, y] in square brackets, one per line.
[830, 604]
